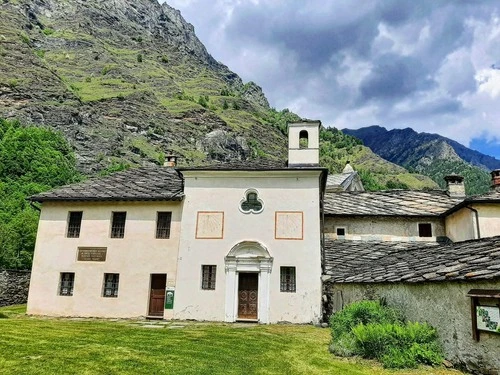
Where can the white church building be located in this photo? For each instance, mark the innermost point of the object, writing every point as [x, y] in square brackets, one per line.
[229, 242]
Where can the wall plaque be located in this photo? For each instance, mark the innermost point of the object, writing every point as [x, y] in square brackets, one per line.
[210, 225]
[488, 318]
[92, 254]
[289, 225]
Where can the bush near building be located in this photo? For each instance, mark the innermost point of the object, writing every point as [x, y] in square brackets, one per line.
[372, 330]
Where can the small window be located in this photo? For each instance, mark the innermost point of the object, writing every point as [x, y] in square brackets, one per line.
[66, 284]
[74, 224]
[303, 139]
[110, 288]
[251, 202]
[340, 231]
[163, 221]
[208, 274]
[287, 279]
[425, 230]
[118, 224]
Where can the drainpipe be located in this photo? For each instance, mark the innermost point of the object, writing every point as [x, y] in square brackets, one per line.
[477, 232]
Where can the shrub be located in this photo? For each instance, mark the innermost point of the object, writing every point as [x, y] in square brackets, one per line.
[48, 31]
[139, 57]
[372, 330]
[3, 316]
[362, 312]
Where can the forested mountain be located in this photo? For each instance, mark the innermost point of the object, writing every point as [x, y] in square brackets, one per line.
[429, 154]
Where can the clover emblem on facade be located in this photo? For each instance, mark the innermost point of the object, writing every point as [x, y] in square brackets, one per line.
[251, 202]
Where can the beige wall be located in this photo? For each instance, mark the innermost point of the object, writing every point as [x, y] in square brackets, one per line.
[444, 305]
[223, 191]
[462, 225]
[134, 257]
[489, 219]
[382, 228]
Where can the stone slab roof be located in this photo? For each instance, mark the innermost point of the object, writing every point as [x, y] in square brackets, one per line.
[249, 165]
[339, 181]
[147, 183]
[411, 262]
[389, 203]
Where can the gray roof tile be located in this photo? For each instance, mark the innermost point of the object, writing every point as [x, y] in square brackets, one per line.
[147, 183]
[389, 203]
[411, 261]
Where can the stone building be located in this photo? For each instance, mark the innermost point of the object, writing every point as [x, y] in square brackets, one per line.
[432, 254]
[229, 242]
[270, 242]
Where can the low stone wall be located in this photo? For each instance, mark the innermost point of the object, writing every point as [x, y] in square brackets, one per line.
[444, 305]
[14, 287]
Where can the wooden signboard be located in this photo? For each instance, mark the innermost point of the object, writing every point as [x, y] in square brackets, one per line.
[92, 254]
[485, 311]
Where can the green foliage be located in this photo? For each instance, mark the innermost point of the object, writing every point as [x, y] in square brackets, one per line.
[164, 59]
[116, 166]
[48, 31]
[225, 105]
[370, 183]
[31, 160]
[40, 53]
[139, 57]
[236, 105]
[375, 331]
[477, 180]
[203, 101]
[362, 312]
[25, 38]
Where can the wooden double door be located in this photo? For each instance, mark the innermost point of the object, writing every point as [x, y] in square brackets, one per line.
[248, 295]
[157, 295]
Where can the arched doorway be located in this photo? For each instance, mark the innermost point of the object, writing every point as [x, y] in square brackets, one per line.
[248, 265]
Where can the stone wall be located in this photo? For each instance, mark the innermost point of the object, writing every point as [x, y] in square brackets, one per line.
[14, 287]
[444, 305]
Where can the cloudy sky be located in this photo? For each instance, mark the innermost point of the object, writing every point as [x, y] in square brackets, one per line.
[432, 65]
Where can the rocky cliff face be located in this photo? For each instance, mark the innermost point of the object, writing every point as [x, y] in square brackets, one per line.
[127, 80]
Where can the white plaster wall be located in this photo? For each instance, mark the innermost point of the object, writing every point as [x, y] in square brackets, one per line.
[383, 228]
[460, 225]
[223, 191]
[135, 258]
[444, 305]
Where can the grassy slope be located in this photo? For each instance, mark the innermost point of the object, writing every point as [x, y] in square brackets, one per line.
[49, 346]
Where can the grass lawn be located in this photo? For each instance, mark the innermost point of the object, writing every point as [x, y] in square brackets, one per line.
[31, 345]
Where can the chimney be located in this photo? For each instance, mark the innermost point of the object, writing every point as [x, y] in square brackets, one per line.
[495, 180]
[455, 186]
[170, 161]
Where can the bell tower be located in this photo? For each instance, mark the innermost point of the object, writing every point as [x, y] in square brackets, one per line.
[303, 143]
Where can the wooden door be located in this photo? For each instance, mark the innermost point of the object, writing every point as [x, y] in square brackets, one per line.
[248, 300]
[157, 294]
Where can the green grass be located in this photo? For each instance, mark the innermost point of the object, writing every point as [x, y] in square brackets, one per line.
[47, 346]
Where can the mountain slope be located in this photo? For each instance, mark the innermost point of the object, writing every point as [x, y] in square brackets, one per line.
[429, 154]
[126, 79]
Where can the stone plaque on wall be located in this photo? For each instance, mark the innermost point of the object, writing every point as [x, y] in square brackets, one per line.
[210, 225]
[289, 225]
[92, 254]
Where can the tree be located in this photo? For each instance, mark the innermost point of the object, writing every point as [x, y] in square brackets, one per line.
[32, 159]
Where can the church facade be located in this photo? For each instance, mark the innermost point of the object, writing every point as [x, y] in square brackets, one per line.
[229, 242]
